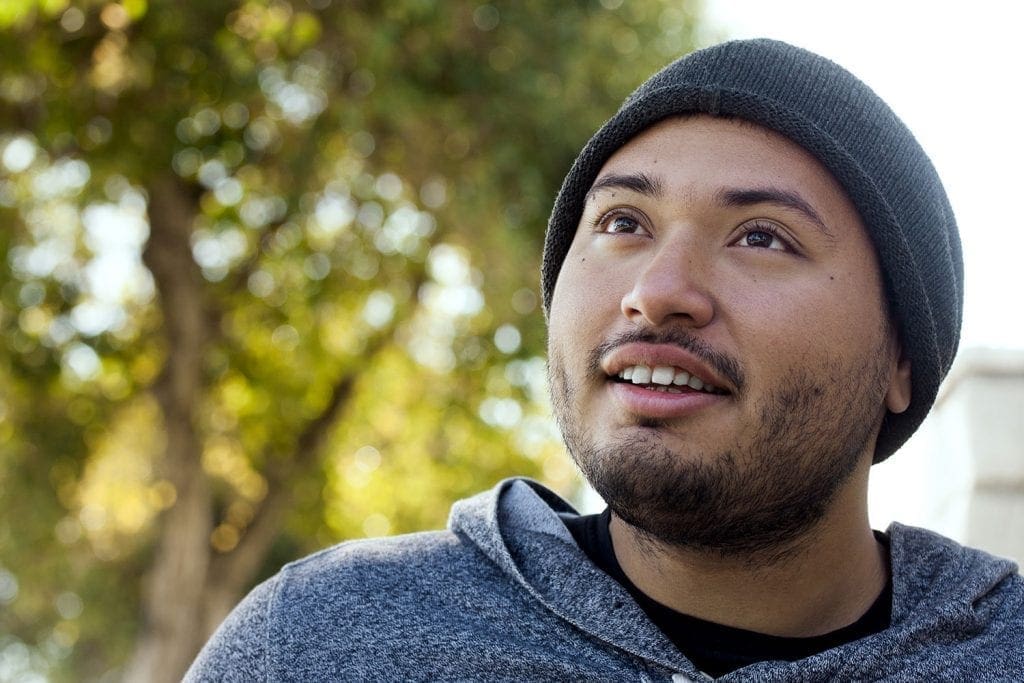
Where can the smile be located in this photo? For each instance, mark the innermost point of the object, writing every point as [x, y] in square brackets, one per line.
[665, 378]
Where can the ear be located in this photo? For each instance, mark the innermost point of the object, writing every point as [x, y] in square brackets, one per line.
[897, 396]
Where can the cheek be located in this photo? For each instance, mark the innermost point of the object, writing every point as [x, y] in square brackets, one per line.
[585, 305]
[583, 288]
[853, 302]
[837, 317]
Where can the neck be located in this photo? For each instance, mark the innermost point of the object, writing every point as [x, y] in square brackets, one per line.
[822, 581]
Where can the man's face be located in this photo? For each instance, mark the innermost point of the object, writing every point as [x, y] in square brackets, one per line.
[716, 252]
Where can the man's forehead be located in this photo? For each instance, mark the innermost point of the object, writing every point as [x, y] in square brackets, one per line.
[729, 162]
[749, 139]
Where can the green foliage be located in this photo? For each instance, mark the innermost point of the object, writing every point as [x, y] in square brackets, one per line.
[369, 184]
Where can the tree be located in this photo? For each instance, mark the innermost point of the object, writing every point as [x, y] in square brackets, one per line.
[270, 282]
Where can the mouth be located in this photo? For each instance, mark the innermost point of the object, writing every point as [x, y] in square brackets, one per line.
[665, 379]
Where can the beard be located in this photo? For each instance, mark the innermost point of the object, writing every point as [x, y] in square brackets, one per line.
[754, 496]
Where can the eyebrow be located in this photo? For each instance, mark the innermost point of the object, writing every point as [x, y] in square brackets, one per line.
[731, 197]
[637, 182]
[771, 195]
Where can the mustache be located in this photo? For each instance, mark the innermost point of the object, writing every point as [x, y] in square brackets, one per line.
[724, 365]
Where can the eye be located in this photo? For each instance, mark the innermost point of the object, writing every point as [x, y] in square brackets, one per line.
[763, 235]
[621, 223]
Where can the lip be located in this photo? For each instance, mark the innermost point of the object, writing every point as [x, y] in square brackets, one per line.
[656, 404]
[651, 355]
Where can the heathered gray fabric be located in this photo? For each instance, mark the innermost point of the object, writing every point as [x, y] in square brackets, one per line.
[826, 110]
[505, 594]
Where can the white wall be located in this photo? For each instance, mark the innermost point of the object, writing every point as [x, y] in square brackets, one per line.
[963, 473]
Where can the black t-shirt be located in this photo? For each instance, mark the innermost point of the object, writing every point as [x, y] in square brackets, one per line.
[716, 649]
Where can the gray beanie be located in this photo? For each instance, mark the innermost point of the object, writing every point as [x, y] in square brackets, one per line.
[852, 132]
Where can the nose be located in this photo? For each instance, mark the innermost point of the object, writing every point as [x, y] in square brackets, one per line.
[672, 286]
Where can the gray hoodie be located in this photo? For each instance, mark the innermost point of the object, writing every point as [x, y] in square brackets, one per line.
[505, 594]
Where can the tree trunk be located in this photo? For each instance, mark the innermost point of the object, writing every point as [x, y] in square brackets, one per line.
[173, 588]
[189, 589]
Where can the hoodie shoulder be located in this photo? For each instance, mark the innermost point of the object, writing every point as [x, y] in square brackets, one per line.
[340, 612]
[929, 568]
[958, 606]
[322, 610]
[238, 649]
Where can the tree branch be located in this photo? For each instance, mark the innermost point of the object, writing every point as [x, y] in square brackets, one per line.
[230, 572]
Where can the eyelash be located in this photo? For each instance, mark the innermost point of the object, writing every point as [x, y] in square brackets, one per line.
[600, 222]
[770, 228]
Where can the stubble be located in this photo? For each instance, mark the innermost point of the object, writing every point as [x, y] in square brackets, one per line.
[754, 496]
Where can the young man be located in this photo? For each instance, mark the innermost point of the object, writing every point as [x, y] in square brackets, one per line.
[753, 283]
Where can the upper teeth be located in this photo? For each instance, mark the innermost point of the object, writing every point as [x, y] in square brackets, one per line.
[664, 375]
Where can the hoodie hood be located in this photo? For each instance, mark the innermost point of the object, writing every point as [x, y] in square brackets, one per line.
[942, 592]
[517, 526]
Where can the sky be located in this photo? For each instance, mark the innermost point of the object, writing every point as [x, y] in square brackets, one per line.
[954, 72]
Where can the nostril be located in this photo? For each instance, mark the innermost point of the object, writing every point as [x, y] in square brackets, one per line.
[656, 306]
